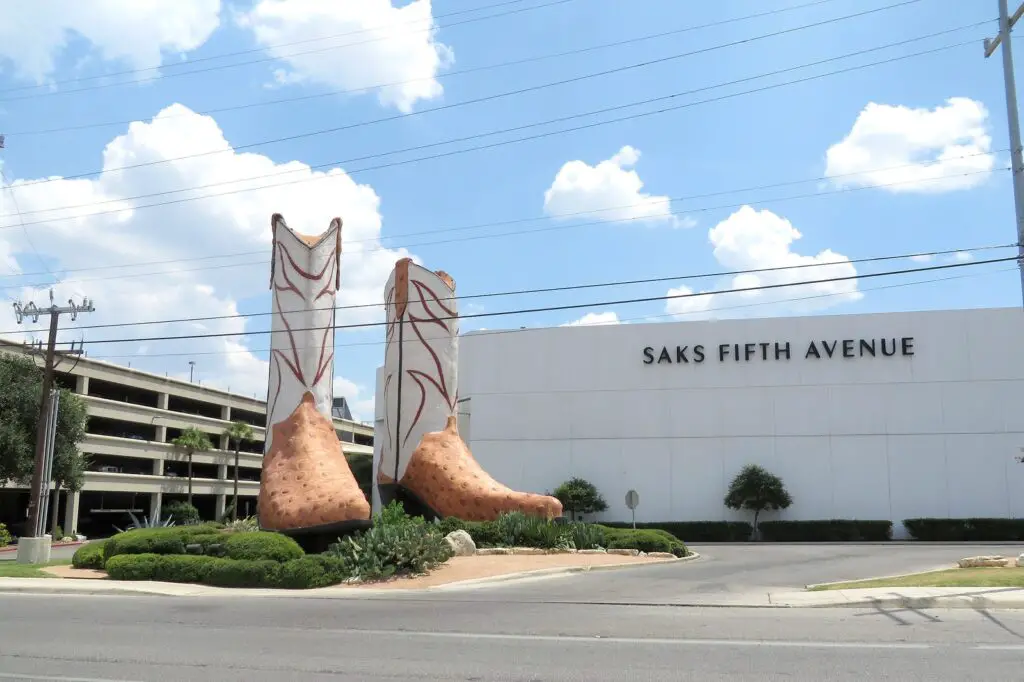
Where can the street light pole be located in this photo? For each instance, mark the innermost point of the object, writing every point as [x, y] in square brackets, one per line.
[191, 369]
[1006, 23]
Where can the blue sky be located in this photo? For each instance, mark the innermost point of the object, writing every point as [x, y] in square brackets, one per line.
[751, 140]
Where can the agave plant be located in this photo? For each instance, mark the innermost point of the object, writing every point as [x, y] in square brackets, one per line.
[146, 522]
[250, 524]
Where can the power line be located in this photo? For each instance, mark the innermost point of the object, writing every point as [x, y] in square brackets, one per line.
[459, 72]
[501, 95]
[645, 318]
[546, 229]
[564, 288]
[477, 136]
[517, 221]
[429, 29]
[576, 306]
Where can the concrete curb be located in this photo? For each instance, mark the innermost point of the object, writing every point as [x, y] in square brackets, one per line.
[812, 586]
[83, 587]
[549, 572]
[909, 602]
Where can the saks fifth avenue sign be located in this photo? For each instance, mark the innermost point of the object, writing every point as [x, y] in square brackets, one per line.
[785, 350]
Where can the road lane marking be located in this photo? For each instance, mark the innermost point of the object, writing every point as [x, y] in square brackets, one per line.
[55, 678]
[561, 639]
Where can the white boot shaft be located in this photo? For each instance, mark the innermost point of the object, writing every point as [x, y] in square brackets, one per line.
[305, 274]
[420, 360]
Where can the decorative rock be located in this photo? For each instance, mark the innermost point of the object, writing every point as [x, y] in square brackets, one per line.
[461, 543]
[661, 555]
[982, 561]
[1020, 561]
[592, 551]
[493, 551]
[625, 552]
[559, 550]
[528, 550]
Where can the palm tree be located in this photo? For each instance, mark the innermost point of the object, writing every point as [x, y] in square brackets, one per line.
[238, 432]
[192, 440]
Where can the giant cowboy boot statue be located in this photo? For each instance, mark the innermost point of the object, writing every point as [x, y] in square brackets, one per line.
[422, 456]
[306, 485]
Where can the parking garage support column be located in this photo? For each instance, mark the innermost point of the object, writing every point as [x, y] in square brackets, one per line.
[71, 501]
[82, 385]
[156, 501]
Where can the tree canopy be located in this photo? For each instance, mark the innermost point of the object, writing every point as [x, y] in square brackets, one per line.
[578, 495]
[192, 440]
[21, 385]
[239, 432]
[756, 489]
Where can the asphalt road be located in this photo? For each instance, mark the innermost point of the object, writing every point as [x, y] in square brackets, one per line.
[607, 626]
[97, 639]
[737, 569]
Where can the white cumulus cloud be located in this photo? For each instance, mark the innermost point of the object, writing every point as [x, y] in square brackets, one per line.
[33, 33]
[925, 150]
[227, 224]
[612, 189]
[379, 44]
[756, 240]
[594, 319]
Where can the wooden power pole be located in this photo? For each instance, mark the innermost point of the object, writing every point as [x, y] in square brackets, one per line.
[47, 421]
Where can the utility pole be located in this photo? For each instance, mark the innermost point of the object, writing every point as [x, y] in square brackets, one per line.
[1006, 23]
[37, 549]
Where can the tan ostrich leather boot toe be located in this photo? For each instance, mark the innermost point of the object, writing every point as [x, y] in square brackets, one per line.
[446, 477]
[306, 482]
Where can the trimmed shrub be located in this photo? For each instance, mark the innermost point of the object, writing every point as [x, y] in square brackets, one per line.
[262, 546]
[305, 573]
[5, 536]
[311, 572]
[834, 530]
[170, 540]
[182, 568]
[133, 566]
[697, 531]
[972, 530]
[646, 540]
[229, 573]
[89, 555]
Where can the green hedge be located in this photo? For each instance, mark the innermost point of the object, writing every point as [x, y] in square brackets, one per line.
[971, 530]
[697, 531]
[304, 573]
[834, 530]
[204, 539]
[262, 545]
[89, 555]
[645, 540]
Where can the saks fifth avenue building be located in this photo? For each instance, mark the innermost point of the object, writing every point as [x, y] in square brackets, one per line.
[881, 416]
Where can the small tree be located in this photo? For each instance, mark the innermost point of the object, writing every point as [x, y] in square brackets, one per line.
[757, 490]
[237, 433]
[192, 440]
[578, 495]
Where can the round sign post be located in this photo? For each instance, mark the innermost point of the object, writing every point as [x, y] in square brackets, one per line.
[632, 502]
